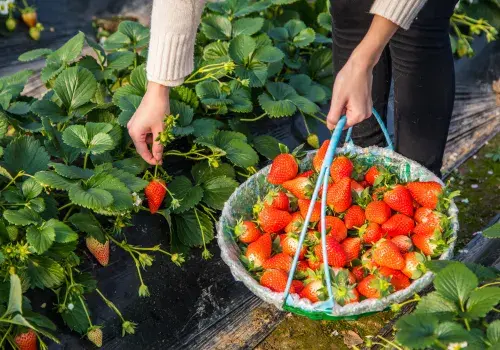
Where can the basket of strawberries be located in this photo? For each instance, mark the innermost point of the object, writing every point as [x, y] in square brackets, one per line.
[341, 232]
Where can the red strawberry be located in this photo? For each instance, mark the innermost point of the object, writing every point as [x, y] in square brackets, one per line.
[155, 192]
[304, 207]
[425, 215]
[398, 279]
[374, 287]
[359, 272]
[398, 224]
[98, 250]
[314, 291]
[399, 199]
[378, 193]
[339, 196]
[429, 243]
[320, 156]
[313, 261]
[273, 220]
[403, 242]
[414, 265]
[352, 247]
[426, 229]
[302, 266]
[283, 168]
[307, 173]
[354, 217]
[279, 261]
[343, 274]
[377, 211]
[247, 231]
[367, 260]
[29, 17]
[277, 199]
[335, 227]
[295, 225]
[336, 255]
[298, 286]
[386, 253]
[425, 193]
[275, 280]
[300, 187]
[370, 233]
[290, 245]
[355, 186]
[371, 175]
[26, 340]
[341, 167]
[95, 336]
[260, 250]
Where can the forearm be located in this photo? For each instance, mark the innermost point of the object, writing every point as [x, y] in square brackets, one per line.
[173, 31]
[369, 50]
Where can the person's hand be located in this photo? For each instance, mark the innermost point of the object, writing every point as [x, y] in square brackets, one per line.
[352, 93]
[147, 123]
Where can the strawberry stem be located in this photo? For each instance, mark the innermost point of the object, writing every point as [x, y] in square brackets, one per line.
[86, 311]
[205, 254]
[110, 304]
[253, 119]
[156, 170]
[5, 336]
[390, 343]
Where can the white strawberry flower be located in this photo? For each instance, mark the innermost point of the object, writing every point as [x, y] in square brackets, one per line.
[457, 346]
[71, 306]
[4, 8]
[137, 199]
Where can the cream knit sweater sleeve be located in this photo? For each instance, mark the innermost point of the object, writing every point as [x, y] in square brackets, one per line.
[173, 30]
[174, 24]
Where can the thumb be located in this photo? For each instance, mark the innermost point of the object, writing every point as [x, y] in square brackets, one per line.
[157, 149]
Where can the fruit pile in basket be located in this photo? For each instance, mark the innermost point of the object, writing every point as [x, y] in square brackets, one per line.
[379, 231]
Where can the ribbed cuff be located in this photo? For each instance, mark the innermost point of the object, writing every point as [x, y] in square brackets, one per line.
[170, 58]
[401, 12]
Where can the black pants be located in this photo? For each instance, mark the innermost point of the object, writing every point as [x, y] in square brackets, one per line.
[420, 62]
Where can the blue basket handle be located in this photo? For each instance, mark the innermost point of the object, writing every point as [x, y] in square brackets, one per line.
[323, 180]
[382, 126]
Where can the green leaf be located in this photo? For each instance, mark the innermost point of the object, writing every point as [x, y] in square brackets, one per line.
[269, 54]
[44, 272]
[136, 32]
[15, 296]
[92, 198]
[325, 21]
[482, 301]
[34, 54]
[134, 183]
[40, 238]
[21, 217]
[76, 136]
[493, 332]
[184, 191]
[492, 231]
[63, 233]
[247, 26]
[266, 145]
[240, 48]
[53, 180]
[185, 94]
[306, 88]
[50, 71]
[70, 51]
[39, 320]
[46, 108]
[71, 171]
[241, 153]
[204, 127]
[483, 273]
[455, 282]
[217, 190]
[5, 173]
[4, 125]
[19, 108]
[294, 27]
[435, 303]
[37, 204]
[194, 228]
[101, 143]
[132, 165]
[216, 27]
[184, 111]
[211, 94]
[76, 319]
[278, 102]
[451, 332]
[304, 38]
[256, 72]
[31, 188]
[320, 67]
[116, 41]
[98, 50]
[217, 50]
[75, 87]
[202, 172]
[240, 97]
[305, 105]
[25, 154]
[87, 223]
[416, 330]
[120, 60]
[128, 105]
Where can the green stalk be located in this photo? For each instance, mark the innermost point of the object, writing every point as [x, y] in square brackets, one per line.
[5, 336]
[110, 304]
[85, 160]
[86, 311]
[253, 119]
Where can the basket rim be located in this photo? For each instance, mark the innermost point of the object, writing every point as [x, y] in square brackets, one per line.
[240, 273]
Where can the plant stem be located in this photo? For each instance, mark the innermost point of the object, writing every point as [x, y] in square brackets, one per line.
[13, 180]
[86, 311]
[206, 254]
[110, 304]
[69, 212]
[305, 123]
[466, 321]
[253, 119]
[65, 206]
[318, 119]
[489, 284]
[390, 343]
[85, 160]
[438, 343]
[5, 336]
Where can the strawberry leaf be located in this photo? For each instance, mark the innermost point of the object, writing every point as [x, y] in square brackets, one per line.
[92, 198]
[15, 295]
[25, 154]
[75, 87]
[76, 319]
[184, 191]
[493, 333]
[34, 54]
[71, 171]
[53, 180]
[435, 303]
[451, 332]
[482, 301]
[492, 231]
[40, 238]
[247, 26]
[134, 183]
[193, 229]
[202, 172]
[217, 190]
[44, 272]
[86, 222]
[63, 233]
[216, 27]
[22, 217]
[416, 330]
[266, 145]
[325, 21]
[455, 282]
[31, 188]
